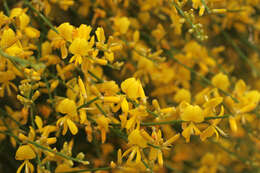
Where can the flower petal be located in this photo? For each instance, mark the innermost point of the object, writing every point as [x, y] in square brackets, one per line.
[73, 128]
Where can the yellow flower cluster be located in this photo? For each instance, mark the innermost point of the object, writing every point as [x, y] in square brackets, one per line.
[129, 86]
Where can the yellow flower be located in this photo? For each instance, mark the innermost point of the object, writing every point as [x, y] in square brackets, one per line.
[108, 88]
[26, 153]
[182, 95]
[157, 140]
[198, 3]
[64, 72]
[121, 24]
[67, 106]
[5, 84]
[111, 99]
[136, 115]
[80, 48]
[134, 152]
[65, 32]
[135, 138]
[133, 88]
[124, 105]
[208, 133]
[24, 20]
[8, 38]
[59, 40]
[137, 142]
[32, 32]
[65, 4]
[192, 113]
[103, 123]
[28, 167]
[213, 128]
[232, 123]
[83, 32]
[66, 122]
[221, 81]
[248, 100]
[82, 88]
[100, 35]
[190, 130]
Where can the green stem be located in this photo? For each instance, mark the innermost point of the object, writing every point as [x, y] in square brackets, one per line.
[147, 166]
[44, 148]
[9, 133]
[49, 91]
[251, 45]
[88, 170]
[99, 80]
[217, 117]
[180, 11]
[15, 60]
[244, 160]
[147, 110]
[172, 122]
[207, 81]
[45, 19]
[22, 62]
[3, 112]
[88, 103]
[101, 110]
[162, 123]
[7, 10]
[241, 54]
[206, 7]
[54, 152]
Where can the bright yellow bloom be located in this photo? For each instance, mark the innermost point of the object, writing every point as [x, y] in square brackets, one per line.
[233, 124]
[248, 100]
[28, 167]
[103, 123]
[133, 88]
[124, 105]
[136, 115]
[190, 130]
[64, 4]
[59, 40]
[26, 153]
[82, 88]
[221, 81]
[111, 99]
[121, 24]
[192, 113]
[67, 123]
[67, 106]
[182, 95]
[83, 32]
[5, 84]
[157, 140]
[135, 138]
[213, 128]
[80, 48]
[137, 142]
[32, 32]
[8, 38]
[100, 35]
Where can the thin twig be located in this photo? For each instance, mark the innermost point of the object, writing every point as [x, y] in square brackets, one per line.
[241, 54]
[88, 103]
[207, 81]
[89, 170]
[45, 19]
